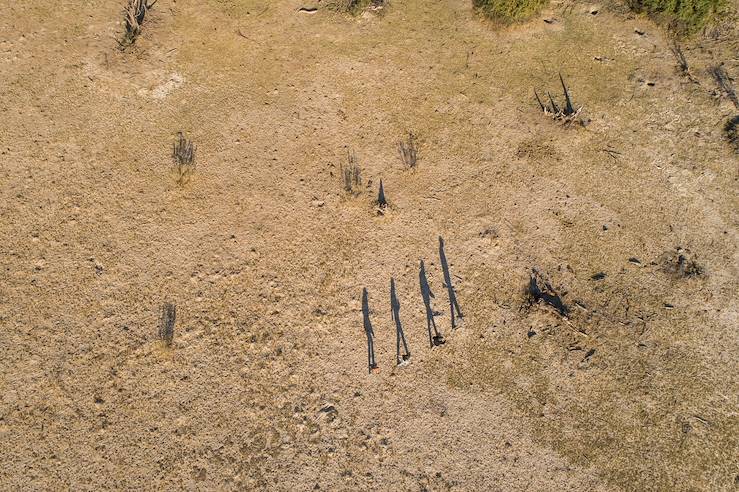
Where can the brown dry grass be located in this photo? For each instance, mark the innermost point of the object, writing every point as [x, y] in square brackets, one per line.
[266, 385]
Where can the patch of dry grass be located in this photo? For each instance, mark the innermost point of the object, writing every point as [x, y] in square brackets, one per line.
[509, 11]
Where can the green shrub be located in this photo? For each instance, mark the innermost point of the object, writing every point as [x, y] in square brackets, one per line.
[687, 16]
[509, 11]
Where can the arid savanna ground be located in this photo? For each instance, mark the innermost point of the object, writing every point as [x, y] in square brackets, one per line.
[265, 255]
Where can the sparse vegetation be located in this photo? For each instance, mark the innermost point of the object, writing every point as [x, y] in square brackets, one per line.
[257, 264]
[409, 151]
[681, 263]
[351, 174]
[567, 113]
[356, 6]
[509, 11]
[183, 154]
[134, 15]
[167, 322]
[682, 62]
[682, 16]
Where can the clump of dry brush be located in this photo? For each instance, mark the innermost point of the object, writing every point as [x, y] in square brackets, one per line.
[167, 322]
[183, 154]
[682, 62]
[351, 174]
[409, 151]
[566, 113]
[356, 6]
[134, 15]
[681, 263]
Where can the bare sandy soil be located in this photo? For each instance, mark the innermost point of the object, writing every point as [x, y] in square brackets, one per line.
[266, 384]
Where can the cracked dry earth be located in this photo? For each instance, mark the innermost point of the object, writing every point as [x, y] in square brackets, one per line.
[265, 255]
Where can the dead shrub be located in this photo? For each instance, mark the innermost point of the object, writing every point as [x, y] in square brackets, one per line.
[357, 6]
[682, 62]
[351, 174]
[167, 322]
[183, 154]
[134, 14]
[409, 151]
[681, 263]
[565, 114]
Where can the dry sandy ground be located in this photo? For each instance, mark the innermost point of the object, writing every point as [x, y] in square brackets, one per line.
[266, 385]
